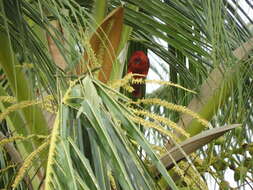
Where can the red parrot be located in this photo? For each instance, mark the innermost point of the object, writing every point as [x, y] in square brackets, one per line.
[138, 64]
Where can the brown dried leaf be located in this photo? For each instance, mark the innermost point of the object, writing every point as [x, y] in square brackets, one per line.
[53, 49]
[104, 43]
[191, 145]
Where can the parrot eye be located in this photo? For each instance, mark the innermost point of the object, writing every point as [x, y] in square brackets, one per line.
[137, 60]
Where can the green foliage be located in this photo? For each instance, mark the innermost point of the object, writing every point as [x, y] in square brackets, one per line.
[94, 143]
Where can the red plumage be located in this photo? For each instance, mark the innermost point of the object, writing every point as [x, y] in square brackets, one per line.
[138, 64]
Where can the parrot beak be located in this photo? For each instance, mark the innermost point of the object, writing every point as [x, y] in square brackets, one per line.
[138, 61]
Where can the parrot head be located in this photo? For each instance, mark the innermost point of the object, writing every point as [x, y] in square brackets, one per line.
[138, 64]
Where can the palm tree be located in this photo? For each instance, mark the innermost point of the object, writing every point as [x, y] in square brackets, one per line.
[66, 122]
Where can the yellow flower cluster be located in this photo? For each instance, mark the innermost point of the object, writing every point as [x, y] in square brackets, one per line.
[161, 119]
[4, 141]
[124, 83]
[8, 99]
[190, 176]
[154, 125]
[170, 84]
[7, 168]
[174, 107]
[27, 163]
[20, 105]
